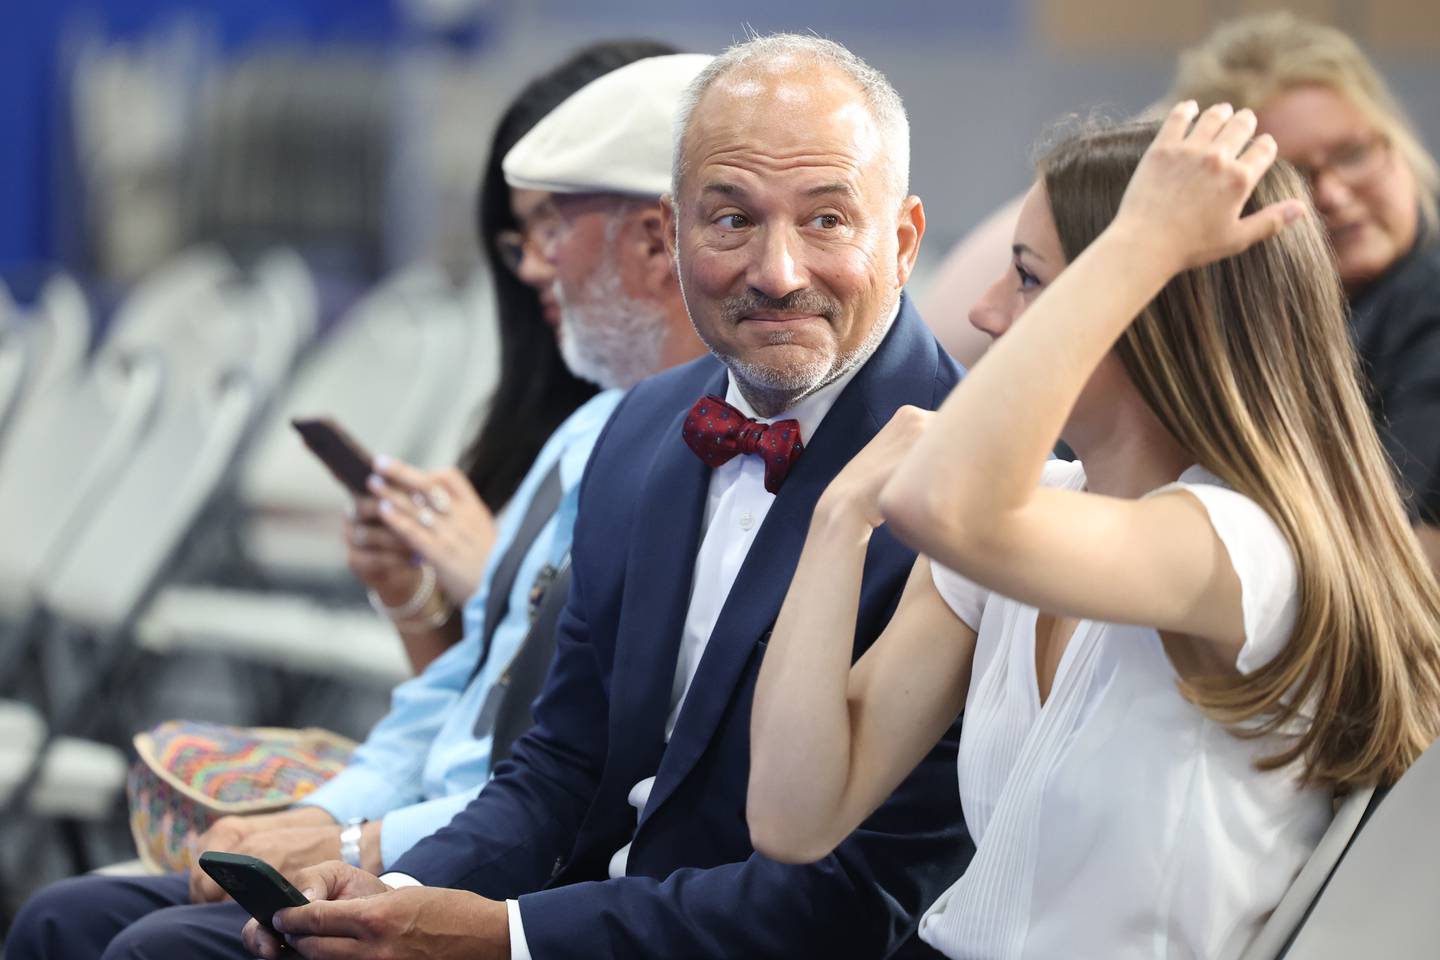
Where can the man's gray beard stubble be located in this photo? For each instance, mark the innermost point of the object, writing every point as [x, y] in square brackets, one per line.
[611, 339]
[771, 392]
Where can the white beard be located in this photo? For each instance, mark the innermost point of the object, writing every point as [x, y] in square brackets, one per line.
[607, 337]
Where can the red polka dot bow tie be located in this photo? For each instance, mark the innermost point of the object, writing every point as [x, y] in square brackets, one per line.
[717, 432]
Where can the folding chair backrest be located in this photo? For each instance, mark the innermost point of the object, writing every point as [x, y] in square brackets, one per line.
[63, 328]
[177, 308]
[15, 357]
[463, 401]
[376, 374]
[59, 465]
[127, 544]
[1295, 905]
[1381, 901]
[282, 295]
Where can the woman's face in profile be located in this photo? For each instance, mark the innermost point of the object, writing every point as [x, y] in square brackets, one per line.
[1362, 188]
[1036, 259]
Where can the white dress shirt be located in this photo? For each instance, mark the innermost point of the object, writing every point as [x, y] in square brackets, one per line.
[734, 510]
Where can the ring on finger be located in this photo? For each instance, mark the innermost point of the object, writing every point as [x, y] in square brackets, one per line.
[426, 518]
[439, 499]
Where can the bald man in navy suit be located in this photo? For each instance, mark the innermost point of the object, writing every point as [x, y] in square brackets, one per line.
[618, 827]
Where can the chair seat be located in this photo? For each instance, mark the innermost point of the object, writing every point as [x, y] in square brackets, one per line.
[284, 630]
[79, 779]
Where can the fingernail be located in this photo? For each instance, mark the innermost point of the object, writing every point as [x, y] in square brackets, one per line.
[386, 507]
[382, 462]
[276, 925]
[308, 893]
[375, 482]
[1294, 212]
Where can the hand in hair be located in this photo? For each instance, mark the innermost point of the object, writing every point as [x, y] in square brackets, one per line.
[438, 515]
[1189, 192]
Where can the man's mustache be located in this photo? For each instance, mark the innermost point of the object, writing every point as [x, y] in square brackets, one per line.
[734, 309]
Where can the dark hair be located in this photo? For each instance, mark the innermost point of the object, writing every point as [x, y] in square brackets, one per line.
[536, 390]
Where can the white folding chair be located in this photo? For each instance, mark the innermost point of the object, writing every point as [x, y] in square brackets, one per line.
[397, 366]
[108, 572]
[177, 308]
[43, 352]
[78, 780]
[1380, 900]
[462, 403]
[14, 361]
[60, 464]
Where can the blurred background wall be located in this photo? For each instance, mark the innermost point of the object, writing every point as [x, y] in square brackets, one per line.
[355, 128]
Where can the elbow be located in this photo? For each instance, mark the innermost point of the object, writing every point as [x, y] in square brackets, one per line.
[779, 831]
[778, 840]
[919, 513]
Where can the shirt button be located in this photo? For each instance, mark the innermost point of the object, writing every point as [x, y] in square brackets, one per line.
[747, 520]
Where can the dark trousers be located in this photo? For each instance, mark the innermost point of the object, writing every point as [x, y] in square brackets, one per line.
[125, 918]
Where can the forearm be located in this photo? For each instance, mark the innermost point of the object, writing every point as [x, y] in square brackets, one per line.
[800, 724]
[423, 645]
[987, 442]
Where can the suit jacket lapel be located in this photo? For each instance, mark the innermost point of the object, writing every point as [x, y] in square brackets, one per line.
[659, 569]
[754, 600]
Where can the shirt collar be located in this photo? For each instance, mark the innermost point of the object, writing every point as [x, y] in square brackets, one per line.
[811, 409]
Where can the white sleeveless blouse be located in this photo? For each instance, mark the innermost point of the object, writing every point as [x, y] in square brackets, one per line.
[1116, 821]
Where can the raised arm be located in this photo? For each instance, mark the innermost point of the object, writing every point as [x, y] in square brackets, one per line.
[967, 494]
[829, 743]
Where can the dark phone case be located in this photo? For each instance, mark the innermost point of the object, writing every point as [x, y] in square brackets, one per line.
[255, 885]
[346, 459]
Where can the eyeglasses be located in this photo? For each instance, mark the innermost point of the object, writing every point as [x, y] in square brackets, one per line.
[1351, 163]
[537, 233]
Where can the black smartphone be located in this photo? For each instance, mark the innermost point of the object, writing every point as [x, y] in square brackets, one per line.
[254, 884]
[342, 454]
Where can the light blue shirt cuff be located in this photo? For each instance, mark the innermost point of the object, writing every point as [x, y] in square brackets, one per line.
[359, 792]
[519, 949]
[401, 829]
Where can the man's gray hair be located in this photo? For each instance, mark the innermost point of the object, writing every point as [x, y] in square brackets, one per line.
[880, 97]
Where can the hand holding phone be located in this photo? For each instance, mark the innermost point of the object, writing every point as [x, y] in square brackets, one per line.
[342, 454]
[252, 883]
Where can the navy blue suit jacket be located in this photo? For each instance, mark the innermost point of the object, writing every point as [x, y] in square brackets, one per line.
[546, 826]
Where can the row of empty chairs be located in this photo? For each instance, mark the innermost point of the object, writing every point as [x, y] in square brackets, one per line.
[143, 476]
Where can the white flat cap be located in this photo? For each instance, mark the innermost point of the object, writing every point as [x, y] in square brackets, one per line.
[613, 135]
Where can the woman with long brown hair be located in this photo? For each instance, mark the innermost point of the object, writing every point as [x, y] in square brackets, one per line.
[1376, 188]
[1170, 654]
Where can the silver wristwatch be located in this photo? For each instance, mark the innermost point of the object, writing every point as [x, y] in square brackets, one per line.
[350, 841]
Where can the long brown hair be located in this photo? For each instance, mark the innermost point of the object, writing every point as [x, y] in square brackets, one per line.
[1247, 362]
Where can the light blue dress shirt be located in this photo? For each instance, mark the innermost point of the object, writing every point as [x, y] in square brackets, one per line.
[423, 763]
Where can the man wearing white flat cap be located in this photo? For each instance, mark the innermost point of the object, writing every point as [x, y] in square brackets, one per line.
[618, 829]
[589, 177]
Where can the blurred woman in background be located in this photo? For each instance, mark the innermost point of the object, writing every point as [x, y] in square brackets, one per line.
[1375, 186]
[536, 393]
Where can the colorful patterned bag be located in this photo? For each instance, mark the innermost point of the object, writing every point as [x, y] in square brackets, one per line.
[191, 774]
